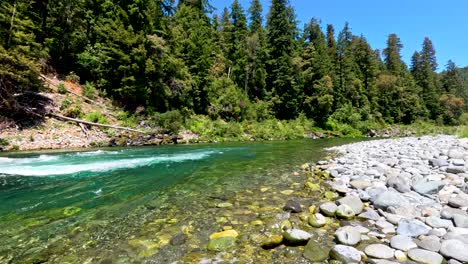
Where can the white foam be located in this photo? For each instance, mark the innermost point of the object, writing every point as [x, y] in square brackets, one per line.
[41, 158]
[94, 166]
[96, 153]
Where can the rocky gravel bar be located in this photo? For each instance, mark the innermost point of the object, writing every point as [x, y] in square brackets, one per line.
[404, 200]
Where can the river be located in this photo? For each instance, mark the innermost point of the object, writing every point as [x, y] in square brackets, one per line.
[126, 205]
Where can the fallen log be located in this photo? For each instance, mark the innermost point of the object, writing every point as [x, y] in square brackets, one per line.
[79, 121]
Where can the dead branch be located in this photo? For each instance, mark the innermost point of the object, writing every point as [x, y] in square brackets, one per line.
[79, 121]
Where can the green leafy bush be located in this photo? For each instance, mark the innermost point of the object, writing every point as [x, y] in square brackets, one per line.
[61, 89]
[72, 77]
[171, 121]
[126, 119]
[89, 90]
[73, 111]
[66, 103]
[4, 142]
[96, 117]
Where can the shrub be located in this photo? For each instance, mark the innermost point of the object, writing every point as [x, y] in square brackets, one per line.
[73, 111]
[89, 90]
[4, 142]
[170, 121]
[66, 103]
[72, 77]
[61, 88]
[126, 119]
[96, 117]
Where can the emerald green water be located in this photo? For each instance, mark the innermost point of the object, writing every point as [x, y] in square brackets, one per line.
[125, 205]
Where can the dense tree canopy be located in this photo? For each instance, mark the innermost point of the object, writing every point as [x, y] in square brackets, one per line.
[232, 64]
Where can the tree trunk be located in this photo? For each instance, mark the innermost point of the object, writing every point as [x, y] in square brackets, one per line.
[79, 121]
[12, 23]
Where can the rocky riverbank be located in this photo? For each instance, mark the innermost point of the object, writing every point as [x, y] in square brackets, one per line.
[401, 200]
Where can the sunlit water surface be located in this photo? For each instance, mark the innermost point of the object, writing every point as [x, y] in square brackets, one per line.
[125, 205]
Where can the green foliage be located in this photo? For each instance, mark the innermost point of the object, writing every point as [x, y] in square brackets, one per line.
[126, 119]
[96, 117]
[171, 121]
[73, 111]
[4, 142]
[72, 77]
[61, 88]
[66, 103]
[89, 90]
[15, 148]
[180, 60]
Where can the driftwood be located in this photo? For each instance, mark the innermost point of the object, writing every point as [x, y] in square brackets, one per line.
[79, 121]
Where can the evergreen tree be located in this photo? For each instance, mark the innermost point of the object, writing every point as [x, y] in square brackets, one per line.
[256, 53]
[281, 30]
[423, 68]
[393, 61]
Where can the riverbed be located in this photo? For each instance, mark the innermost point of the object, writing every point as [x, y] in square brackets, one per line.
[152, 204]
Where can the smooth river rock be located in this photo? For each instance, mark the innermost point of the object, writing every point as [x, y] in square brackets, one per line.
[315, 252]
[293, 207]
[348, 235]
[379, 251]
[328, 209]
[455, 249]
[401, 242]
[430, 187]
[425, 256]
[345, 254]
[389, 199]
[352, 201]
[296, 236]
[412, 228]
[345, 211]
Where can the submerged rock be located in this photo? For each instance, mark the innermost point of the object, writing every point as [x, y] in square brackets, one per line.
[227, 233]
[272, 241]
[315, 252]
[178, 239]
[293, 207]
[221, 244]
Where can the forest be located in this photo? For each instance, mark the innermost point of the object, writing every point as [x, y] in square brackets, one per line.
[233, 65]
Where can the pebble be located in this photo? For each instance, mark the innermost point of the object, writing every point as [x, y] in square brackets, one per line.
[404, 243]
[370, 215]
[431, 243]
[296, 236]
[345, 254]
[425, 256]
[412, 228]
[455, 249]
[460, 220]
[317, 220]
[352, 201]
[437, 222]
[348, 235]
[328, 209]
[379, 251]
[293, 207]
[344, 211]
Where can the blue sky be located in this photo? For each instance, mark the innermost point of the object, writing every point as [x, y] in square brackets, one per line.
[444, 22]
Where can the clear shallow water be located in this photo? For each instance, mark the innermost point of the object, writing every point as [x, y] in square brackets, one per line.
[124, 205]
